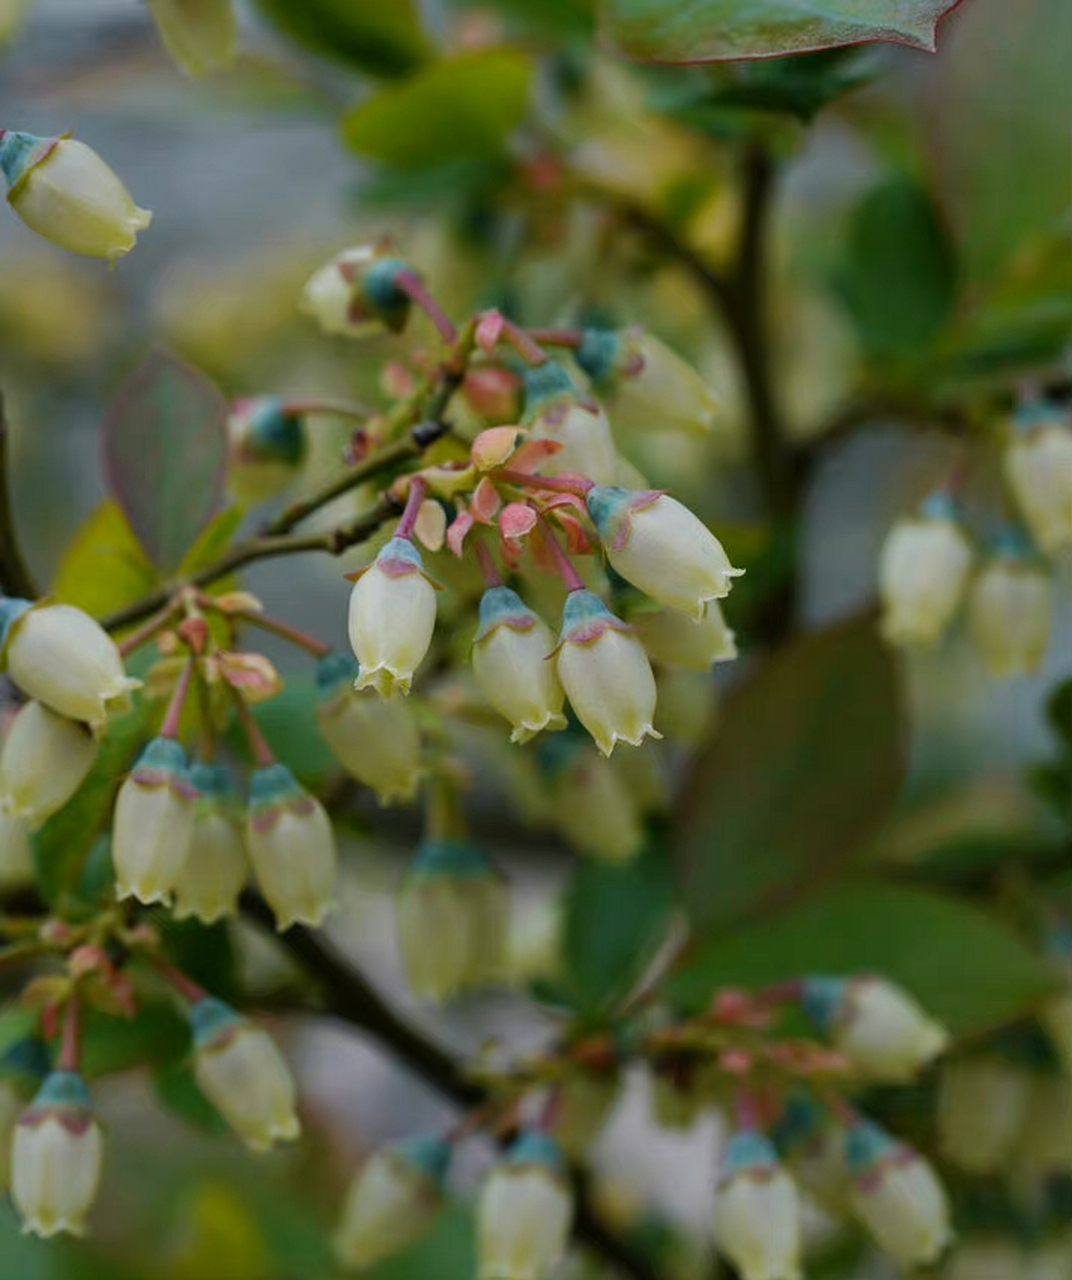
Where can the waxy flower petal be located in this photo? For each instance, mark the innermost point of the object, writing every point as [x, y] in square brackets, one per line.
[216, 866]
[392, 618]
[1038, 468]
[511, 664]
[757, 1215]
[923, 572]
[525, 1212]
[43, 762]
[153, 823]
[1010, 611]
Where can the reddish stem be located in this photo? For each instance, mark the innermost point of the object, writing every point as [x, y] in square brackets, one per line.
[492, 577]
[555, 484]
[413, 287]
[781, 993]
[149, 629]
[361, 411]
[748, 1112]
[529, 351]
[417, 490]
[69, 1054]
[184, 985]
[570, 576]
[262, 752]
[170, 727]
[557, 337]
[285, 631]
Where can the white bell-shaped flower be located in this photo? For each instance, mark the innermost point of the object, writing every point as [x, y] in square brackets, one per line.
[65, 192]
[63, 658]
[56, 1154]
[392, 1201]
[658, 545]
[879, 1027]
[923, 573]
[392, 617]
[982, 1103]
[525, 1212]
[511, 665]
[153, 822]
[242, 1073]
[16, 851]
[376, 740]
[605, 673]
[757, 1219]
[291, 845]
[1038, 468]
[556, 410]
[201, 35]
[897, 1196]
[676, 639]
[216, 866]
[1042, 1149]
[812, 1142]
[1010, 610]
[266, 448]
[988, 1257]
[593, 808]
[43, 761]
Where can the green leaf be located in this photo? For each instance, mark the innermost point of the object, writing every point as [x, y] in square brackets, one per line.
[16, 1024]
[900, 274]
[718, 30]
[804, 768]
[1059, 712]
[616, 918]
[965, 967]
[165, 449]
[155, 1034]
[382, 37]
[177, 1089]
[288, 721]
[203, 952]
[104, 567]
[461, 109]
[213, 542]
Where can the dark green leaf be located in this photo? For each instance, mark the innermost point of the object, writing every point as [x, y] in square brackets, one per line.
[155, 1034]
[16, 1024]
[962, 964]
[717, 30]
[616, 917]
[900, 274]
[563, 19]
[804, 768]
[177, 1089]
[288, 721]
[461, 109]
[382, 37]
[1059, 712]
[165, 449]
[202, 951]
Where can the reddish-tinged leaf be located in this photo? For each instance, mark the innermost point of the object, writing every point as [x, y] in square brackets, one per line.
[489, 331]
[165, 450]
[532, 455]
[492, 447]
[517, 520]
[485, 502]
[458, 530]
[431, 526]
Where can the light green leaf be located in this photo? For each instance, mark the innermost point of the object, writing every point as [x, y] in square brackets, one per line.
[464, 108]
[965, 967]
[155, 1034]
[804, 768]
[288, 721]
[213, 542]
[177, 1089]
[16, 1024]
[717, 30]
[104, 568]
[382, 37]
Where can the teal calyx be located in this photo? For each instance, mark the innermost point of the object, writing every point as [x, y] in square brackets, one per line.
[11, 610]
[1013, 543]
[399, 557]
[868, 1147]
[501, 607]
[450, 859]
[428, 1154]
[272, 785]
[585, 618]
[544, 384]
[384, 299]
[1040, 412]
[939, 506]
[534, 1147]
[211, 1020]
[824, 999]
[64, 1091]
[749, 1152]
[600, 356]
[611, 508]
[163, 763]
[19, 153]
[802, 1120]
[212, 781]
[333, 672]
[273, 432]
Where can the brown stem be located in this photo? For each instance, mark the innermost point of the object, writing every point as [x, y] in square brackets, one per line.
[414, 498]
[15, 578]
[413, 287]
[183, 984]
[170, 727]
[557, 337]
[301, 639]
[144, 634]
[258, 744]
[70, 1044]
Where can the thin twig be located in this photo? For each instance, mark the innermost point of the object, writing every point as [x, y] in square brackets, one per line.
[15, 577]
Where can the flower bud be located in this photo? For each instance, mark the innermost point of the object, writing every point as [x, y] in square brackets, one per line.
[199, 34]
[216, 865]
[986, 1257]
[356, 294]
[880, 1028]
[63, 658]
[982, 1103]
[1044, 1145]
[556, 410]
[43, 762]
[1038, 468]
[661, 547]
[591, 806]
[65, 192]
[16, 853]
[605, 672]
[676, 639]
[923, 571]
[292, 847]
[267, 448]
[392, 617]
[511, 664]
[154, 818]
[453, 916]
[1010, 609]
[585, 1099]
[375, 740]
[757, 1211]
[56, 1155]
[242, 1073]
[524, 1212]
[897, 1196]
[392, 1201]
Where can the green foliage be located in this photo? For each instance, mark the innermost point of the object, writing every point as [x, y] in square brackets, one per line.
[16, 1024]
[381, 37]
[157, 1033]
[177, 1089]
[165, 447]
[288, 721]
[104, 566]
[804, 768]
[964, 966]
[715, 30]
[462, 109]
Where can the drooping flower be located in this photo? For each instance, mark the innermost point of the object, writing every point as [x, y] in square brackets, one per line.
[510, 663]
[812, 1142]
[56, 1155]
[879, 1027]
[267, 446]
[525, 1212]
[392, 617]
[757, 1217]
[291, 845]
[556, 410]
[65, 192]
[216, 866]
[153, 823]
[201, 35]
[923, 573]
[393, 1200]
[356, 294]
[453, 914]
[1010, 610]
[676, 639]
[591, 806]
[982, 1102]
[375, 739]
[63, 658]
[43, 761]
[16, 852]
[1038, 468]
[605, 673]
[242, 1073]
